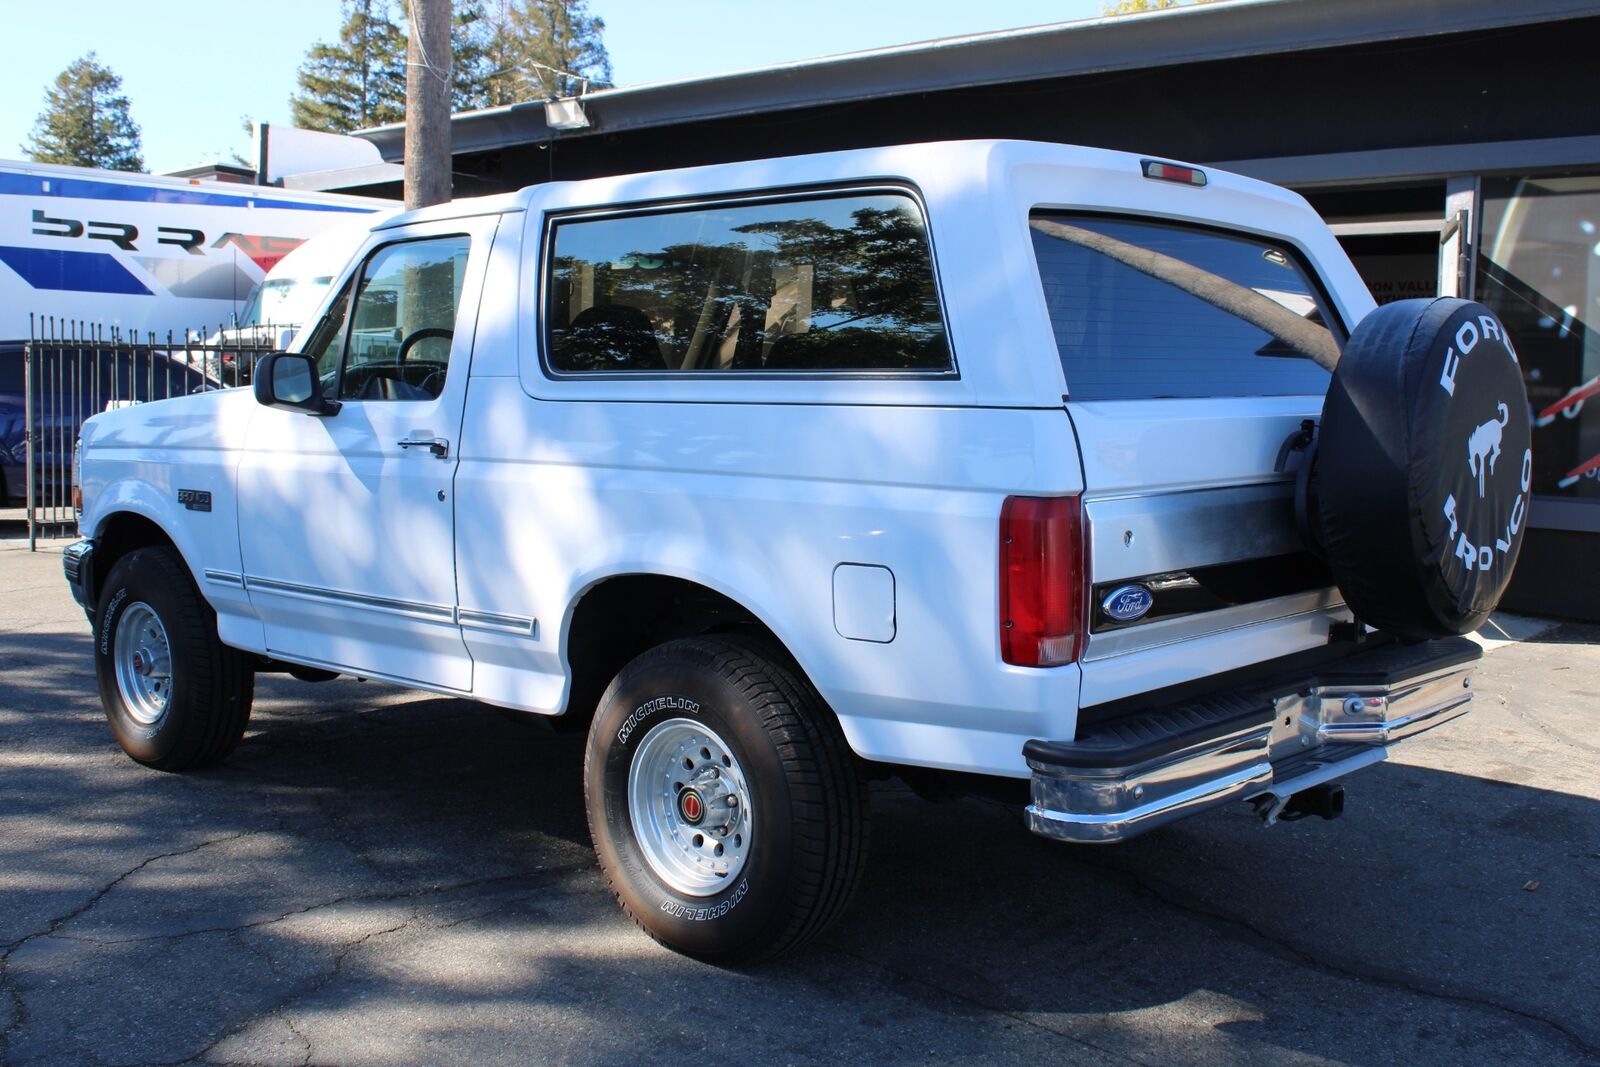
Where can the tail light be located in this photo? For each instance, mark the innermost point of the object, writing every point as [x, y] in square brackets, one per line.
[1041, 580]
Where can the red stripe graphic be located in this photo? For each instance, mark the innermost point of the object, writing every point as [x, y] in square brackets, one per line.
[1578, 395]
[1578, 472]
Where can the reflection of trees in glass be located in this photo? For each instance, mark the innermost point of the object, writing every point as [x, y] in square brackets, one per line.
[868, 299]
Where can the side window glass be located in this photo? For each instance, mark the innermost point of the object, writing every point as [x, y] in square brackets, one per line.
[398, 344]
[827, 284]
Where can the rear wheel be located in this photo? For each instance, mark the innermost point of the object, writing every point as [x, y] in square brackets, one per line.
[723, 800]
[176, 697]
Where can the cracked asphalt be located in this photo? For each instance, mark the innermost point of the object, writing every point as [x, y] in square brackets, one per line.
[384, 877]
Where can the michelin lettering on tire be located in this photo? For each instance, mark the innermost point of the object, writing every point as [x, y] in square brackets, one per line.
[1424, 467]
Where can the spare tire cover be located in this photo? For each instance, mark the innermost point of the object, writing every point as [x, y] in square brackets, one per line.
[1423, 467]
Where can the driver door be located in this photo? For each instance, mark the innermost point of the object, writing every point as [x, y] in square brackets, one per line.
[347, 521]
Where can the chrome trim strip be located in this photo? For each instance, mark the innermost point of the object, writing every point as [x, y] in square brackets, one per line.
[489, 620]
[1149, 635]
[430, 612]
[225, 578]
[1193, 528]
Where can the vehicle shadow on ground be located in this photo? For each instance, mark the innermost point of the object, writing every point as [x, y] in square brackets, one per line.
[367, 850]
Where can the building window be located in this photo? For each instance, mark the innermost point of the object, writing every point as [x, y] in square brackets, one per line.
[1539, 270]
[832, 283]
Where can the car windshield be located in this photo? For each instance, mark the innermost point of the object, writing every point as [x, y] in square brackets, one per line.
[275, 300]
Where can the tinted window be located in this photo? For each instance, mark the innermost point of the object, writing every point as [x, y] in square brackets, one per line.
[836, 283]
[1123, 332]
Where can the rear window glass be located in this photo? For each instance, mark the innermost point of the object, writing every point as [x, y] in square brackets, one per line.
[1123, 331]
[826, 284]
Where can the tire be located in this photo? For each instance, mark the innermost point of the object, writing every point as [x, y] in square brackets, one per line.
[152, 618]
[792, 846]
[1423, 468]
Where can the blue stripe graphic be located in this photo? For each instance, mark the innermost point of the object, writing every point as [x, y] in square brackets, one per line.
[79, 272]
[89, 189]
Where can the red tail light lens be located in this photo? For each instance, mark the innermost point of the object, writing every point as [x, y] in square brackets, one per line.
[1041, 580]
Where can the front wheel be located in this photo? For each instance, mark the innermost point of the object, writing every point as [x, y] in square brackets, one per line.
[724, 803]
[176, 697]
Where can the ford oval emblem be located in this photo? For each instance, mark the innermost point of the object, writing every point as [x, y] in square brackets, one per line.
[1126, 603]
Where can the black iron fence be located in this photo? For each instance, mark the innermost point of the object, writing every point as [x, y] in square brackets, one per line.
[73, 370]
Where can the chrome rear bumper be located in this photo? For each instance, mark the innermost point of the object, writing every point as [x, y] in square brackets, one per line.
[1265, 742]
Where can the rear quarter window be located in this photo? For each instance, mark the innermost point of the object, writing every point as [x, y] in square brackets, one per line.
[1122, 333]
[826, 284]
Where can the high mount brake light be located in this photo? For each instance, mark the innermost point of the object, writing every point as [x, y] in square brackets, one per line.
[1041, 580]
[1172, 172]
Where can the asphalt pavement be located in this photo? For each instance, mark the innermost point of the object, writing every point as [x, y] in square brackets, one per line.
[385, 877]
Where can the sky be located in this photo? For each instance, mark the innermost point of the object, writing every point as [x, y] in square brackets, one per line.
[193, 69]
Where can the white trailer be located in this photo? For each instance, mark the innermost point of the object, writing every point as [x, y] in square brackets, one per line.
[144, 253]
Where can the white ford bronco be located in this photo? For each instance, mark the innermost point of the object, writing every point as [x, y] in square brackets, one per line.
[984, 464]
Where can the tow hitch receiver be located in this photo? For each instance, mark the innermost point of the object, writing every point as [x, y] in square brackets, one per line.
[1325, 800]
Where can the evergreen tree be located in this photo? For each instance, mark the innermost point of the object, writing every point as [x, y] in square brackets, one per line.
[501, 50]
[359, 81]
[470, 68]
[85, 122]
[1134, 7]
[512, 42]
[504, 79]
[561, 34]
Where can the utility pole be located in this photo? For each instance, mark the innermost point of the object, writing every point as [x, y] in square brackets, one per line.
[428, 103]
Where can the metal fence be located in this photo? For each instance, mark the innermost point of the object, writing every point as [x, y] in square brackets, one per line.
[73, 370]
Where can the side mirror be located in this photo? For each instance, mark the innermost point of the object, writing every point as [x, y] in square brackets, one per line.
[289, 380]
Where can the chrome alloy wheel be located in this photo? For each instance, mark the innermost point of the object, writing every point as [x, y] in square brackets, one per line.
[690, 807]
[143, 657]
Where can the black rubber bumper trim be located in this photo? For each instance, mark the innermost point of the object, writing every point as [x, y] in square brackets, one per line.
[1151, 733]
[77, 565]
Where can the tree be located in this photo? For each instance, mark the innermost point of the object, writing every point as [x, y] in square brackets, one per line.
[360, 80]
[471, 38]
[504, 51]
[85, 122]
[1134, 7]
[561, 34]
[489, 53]
[504, 47]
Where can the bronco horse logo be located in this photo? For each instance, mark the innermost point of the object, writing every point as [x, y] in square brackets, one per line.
[1483, 447]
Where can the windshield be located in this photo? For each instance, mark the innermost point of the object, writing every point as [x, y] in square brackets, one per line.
[283, 301]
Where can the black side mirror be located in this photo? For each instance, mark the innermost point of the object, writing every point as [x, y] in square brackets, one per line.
[289, 380]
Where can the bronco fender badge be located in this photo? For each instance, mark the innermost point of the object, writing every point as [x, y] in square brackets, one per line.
[1126, 603]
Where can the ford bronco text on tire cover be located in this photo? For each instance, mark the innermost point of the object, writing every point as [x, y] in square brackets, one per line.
[966, 462]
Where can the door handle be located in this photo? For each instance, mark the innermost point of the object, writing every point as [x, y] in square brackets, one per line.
[439, 446]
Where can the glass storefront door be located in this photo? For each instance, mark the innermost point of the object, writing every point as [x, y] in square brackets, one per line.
[1538, 267]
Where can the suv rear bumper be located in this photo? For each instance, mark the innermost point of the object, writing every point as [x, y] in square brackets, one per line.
[1265, 740]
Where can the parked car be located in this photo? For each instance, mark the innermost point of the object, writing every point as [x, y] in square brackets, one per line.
[13, 444]
[994, 465]
[75, 382]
